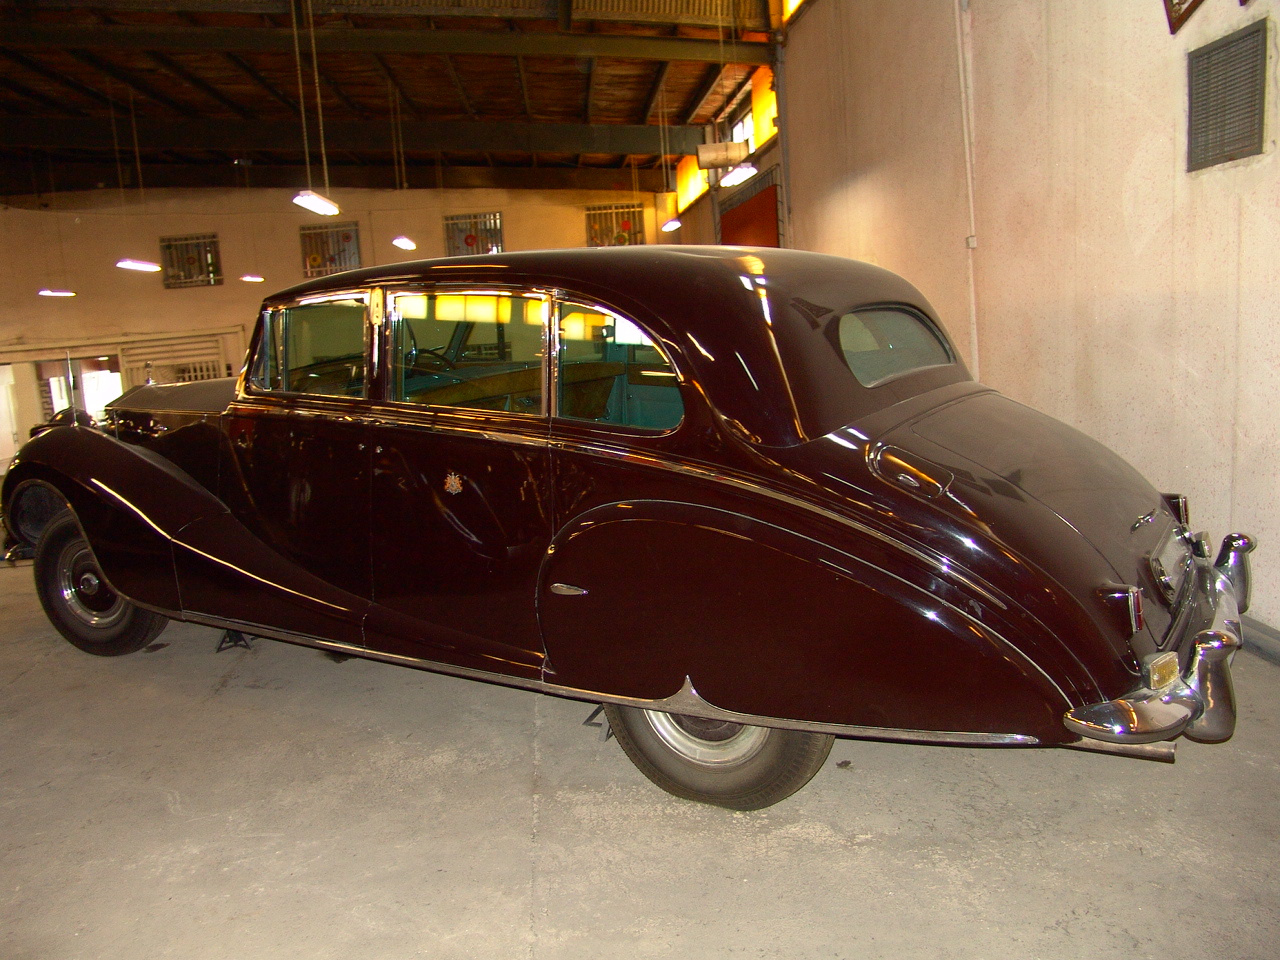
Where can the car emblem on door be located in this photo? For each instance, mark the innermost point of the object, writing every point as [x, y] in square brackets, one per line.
[452, 483]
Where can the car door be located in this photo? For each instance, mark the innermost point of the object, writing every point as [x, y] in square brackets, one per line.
[294, 553]
[616, 450]
[461, 495]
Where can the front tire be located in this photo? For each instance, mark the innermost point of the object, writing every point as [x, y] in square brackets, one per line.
[727, 764]
[78, 600]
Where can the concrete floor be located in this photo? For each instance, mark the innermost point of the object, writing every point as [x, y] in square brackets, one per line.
[275, 804]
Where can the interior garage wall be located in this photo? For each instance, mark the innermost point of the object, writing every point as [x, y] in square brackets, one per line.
[75, 241]
[870, 109]
[1112, 289]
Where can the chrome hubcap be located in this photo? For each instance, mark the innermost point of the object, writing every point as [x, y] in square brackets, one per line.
[84, 593]
[712, 743]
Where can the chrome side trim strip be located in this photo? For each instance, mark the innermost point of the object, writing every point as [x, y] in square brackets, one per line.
[946, 568]
[689, 702]
[685, 701]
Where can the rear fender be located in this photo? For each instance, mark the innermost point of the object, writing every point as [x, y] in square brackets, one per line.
[767, 622]
[130, 503]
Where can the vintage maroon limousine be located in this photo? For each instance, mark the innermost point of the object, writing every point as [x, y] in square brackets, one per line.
[747, 499]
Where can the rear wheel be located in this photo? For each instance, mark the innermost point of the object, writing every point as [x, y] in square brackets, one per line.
[715, 761]
[78, 600]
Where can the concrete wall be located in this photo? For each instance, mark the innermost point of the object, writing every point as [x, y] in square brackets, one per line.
[76, 241]
[1112, 289]
[870, 111]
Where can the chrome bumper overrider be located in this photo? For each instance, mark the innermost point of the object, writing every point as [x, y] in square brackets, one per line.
[1201, 703]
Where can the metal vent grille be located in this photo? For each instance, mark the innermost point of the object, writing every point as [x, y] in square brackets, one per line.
[330, 248]
[1227, 82]
[615, 225]
[191, 261]
[467, 233]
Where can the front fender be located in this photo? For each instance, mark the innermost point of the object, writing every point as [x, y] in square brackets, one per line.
[130, 503]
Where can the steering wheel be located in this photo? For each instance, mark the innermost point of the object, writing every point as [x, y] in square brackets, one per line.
[411, 355]
[438, 353]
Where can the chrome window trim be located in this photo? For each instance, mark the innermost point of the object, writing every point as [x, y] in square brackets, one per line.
[559, 297]
[392, 292]
[248, 383]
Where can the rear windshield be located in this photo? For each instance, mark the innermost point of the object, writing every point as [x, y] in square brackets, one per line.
[845, 360]
[882, 343]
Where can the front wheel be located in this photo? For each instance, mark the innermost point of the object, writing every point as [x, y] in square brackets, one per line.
[714, 761]
[78, 600]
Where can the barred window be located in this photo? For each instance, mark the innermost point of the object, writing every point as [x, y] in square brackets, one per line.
[329, 248]
[615, 225]
[467, 233]
[191, 261]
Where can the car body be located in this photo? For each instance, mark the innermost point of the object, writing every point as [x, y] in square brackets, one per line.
[756, 491]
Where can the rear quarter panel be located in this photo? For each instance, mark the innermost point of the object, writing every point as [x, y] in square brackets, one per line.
[767, 620]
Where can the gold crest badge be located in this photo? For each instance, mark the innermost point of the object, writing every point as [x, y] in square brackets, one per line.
[452, 483]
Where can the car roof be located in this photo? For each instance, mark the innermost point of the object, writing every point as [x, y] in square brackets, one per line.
[726, 310]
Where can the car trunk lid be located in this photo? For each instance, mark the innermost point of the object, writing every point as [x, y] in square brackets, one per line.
[1018, 459]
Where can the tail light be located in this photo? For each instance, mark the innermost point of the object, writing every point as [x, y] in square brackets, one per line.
[1126, 601]
[1178, 504]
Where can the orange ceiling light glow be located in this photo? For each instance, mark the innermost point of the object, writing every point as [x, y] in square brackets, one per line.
[789, 7]
[691, 183]
[764, 105]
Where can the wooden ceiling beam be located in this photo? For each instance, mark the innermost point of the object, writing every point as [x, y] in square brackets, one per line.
[71, 84]
[341, 94]
[21, 176]
[710, 80]
[405, 99]
[591, 90]
[131, 82]
[241, 136]
[22, 90]
[189, 78]
[524, 88]
[262, 82]
[205, 39]
[457, 85]
[655, 91]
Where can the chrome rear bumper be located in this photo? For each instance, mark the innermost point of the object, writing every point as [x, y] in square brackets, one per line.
[1201, 702]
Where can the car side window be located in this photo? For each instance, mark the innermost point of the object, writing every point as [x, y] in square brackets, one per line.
[883, 343]
[315, 348]
[480, 350]
[610, 371]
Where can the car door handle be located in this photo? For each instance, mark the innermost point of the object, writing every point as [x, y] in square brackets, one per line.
[568, 590]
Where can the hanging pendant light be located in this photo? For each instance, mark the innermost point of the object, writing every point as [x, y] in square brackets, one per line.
[142, 266]
[309, 199]
[317, 203]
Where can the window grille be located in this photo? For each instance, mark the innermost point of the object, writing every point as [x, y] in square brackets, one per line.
[329, 248]
[1226, 85]
[467, 233]
[191, 261]
[615, 225]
